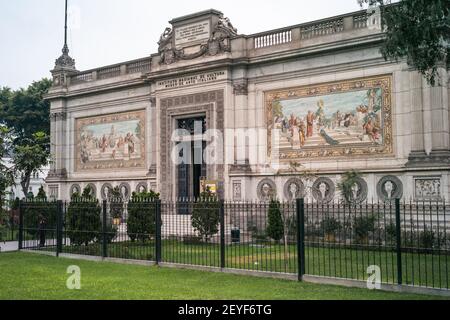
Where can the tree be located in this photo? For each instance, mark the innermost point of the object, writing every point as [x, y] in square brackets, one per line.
[29, 156]
[27, 116]
[275, 225]
[418, 30]
[25, 111]
[6, 173]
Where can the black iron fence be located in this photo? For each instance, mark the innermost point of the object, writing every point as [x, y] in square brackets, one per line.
[409, 243]
[10, 226]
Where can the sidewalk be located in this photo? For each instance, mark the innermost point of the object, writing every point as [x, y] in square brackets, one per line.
[9, 246]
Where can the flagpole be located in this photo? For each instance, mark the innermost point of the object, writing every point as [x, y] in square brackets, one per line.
[65, 26]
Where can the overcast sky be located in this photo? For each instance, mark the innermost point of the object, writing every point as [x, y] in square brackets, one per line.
[104, 32]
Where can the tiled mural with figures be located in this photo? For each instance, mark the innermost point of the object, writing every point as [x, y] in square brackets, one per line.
[337, 119]
[111, 142]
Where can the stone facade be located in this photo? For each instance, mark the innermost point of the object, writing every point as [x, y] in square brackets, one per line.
[397, 135]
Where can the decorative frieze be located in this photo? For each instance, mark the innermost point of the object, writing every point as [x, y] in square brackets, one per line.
[427, 188]
[237, 190]
[240, 88]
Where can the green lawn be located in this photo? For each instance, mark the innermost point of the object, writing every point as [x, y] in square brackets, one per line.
[431, 270]
[33, 276]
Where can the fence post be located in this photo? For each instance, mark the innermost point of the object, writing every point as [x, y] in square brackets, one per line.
[158, 231]
[59, 226]
[301, 238]
[398, 230]
[104, 242]
[222, 234]
[20, 225]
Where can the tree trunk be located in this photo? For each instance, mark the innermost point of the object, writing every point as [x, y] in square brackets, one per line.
[25, 182]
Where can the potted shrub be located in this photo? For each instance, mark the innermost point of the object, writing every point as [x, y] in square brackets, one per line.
[329, 227]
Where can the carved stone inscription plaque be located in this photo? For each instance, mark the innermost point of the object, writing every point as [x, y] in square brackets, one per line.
[192, 33]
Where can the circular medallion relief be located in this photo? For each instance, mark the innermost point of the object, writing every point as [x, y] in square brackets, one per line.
[266, 190]
[294, 189]
[323, 189]
[358, 192]
[389, 187]
[93, 188]
[75, 188]
[106, 191]
[124, 189]
[141, 187]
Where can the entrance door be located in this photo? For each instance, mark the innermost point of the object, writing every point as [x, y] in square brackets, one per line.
[189, 174]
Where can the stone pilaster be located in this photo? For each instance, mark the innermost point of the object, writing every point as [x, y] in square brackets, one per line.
[430, 122]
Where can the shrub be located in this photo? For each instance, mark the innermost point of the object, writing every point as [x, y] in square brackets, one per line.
[83, 223]
[275, 228]
[206, 216]
[391, 233]
[427, 238]
[141, 222]
[362, 226]
[330, 226]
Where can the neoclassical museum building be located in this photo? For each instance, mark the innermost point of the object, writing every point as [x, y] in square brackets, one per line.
[280, 113]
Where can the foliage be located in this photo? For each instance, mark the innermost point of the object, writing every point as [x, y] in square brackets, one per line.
[141, 222]
[348, 180]
[36, 210]
[275, 227]
[330, 226]
[83, 223]
[3, 225]
[418, 30]
[6, 173]
[362, 227]
[427, 238]
[206, 215]
[25, 111]
[41, 194]
[30, 155]
[116, 204]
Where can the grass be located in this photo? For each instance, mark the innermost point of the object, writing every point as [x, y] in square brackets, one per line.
[422, 269]
[33, 276]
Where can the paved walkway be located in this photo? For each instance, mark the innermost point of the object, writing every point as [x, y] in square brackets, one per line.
[9, 246]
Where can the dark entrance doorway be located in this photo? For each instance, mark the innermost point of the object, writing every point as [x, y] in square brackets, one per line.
[190, 173]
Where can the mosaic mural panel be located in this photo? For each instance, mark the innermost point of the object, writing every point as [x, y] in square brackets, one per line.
[338, 119]
[114, 141]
